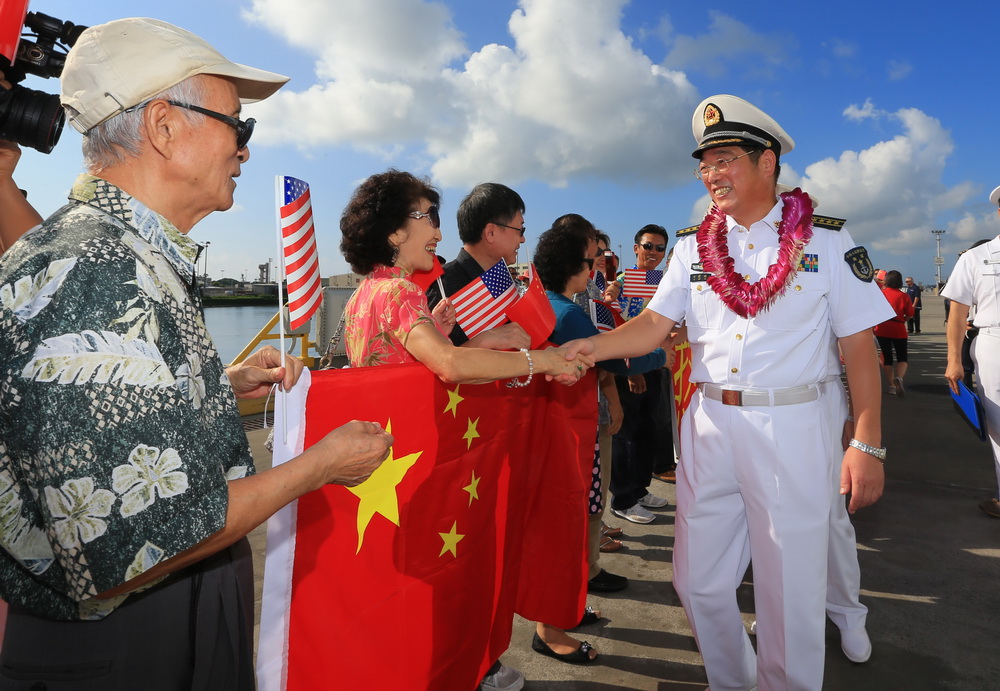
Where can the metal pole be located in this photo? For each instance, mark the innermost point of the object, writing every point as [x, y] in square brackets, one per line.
[207, 243]
[938, 260]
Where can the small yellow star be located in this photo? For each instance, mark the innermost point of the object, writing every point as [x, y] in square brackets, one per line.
[473, 488]
[453, 400]
[471, 433]
[451, 540]
[378, 492]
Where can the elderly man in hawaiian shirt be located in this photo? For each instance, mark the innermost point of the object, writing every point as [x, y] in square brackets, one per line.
[126, 482]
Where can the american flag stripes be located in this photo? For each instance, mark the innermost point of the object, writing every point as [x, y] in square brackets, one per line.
[641, 284]
[301, 256]
[482, 304]
[599, 280]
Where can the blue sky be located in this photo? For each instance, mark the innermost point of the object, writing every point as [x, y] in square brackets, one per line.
[585, 106]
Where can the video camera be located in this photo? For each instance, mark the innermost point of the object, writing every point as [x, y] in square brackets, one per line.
[29, 117]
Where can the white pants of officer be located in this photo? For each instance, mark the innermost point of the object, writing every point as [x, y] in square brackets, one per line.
[986, 356]
[764, 482]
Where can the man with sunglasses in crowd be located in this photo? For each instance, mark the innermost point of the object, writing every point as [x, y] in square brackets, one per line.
[771, 294]
[644, 435]
[125, 473]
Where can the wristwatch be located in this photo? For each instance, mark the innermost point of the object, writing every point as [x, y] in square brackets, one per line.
[877, 452]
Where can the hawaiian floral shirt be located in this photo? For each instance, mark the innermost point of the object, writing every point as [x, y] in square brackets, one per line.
[380, 315]
[118, 424]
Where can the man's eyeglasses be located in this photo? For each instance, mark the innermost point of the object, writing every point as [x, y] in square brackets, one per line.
[589, 261]
[504, 225]
[649, 247]
[432, 215]
[244, 128]
[721, 166]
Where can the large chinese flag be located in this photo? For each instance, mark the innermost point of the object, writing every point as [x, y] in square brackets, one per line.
[410, 580]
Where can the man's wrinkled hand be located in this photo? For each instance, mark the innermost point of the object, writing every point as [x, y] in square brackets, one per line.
[352, 452]
[254, 377]
[510, 336]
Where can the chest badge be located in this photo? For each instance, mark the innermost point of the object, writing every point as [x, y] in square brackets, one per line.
[809, 263]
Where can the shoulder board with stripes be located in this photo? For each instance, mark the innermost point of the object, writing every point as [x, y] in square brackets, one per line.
[828, 222]
[687, 231]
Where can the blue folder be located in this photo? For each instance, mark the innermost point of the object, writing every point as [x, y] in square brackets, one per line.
[971, 408]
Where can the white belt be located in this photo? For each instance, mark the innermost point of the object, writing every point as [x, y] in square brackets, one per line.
[761, 397]
[991, 330]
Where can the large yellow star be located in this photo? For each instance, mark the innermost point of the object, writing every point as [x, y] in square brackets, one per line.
[451, 540]
[471, 433]
[453, 400]
[378, 492]
[473, 488]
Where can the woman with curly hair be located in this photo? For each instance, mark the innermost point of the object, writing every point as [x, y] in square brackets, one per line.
[391, 228]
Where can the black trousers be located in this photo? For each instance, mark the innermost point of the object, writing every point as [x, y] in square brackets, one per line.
[636, 446]
[193, 631]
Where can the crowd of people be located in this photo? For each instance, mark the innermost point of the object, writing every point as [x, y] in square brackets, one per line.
[774, 451]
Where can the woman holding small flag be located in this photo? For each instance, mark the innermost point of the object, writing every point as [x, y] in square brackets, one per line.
[391, 228]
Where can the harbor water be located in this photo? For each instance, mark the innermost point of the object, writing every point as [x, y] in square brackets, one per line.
[233, 327]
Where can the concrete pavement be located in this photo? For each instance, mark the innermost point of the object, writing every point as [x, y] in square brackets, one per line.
[930, 564]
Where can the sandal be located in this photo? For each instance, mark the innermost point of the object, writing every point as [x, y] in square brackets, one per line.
[580, 656]
[590, 616]
[609, 544]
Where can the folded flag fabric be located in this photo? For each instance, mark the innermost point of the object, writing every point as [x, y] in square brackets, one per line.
[428, 560]
[482, 304]
[301, 258]
[641, 284]
[424, 279]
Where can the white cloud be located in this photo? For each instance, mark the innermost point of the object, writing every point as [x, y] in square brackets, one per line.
[570, 99]
[899, 69]
[864, 112]
[842, 49]
[728, 43]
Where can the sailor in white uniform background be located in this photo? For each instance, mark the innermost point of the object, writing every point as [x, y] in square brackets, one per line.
[768, 292]
[975, 281]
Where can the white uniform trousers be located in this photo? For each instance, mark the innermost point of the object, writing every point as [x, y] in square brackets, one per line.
[843, 589]
[757, 481]
[986, 355]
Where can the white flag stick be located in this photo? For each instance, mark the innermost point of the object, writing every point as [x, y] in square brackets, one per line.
[279, 199]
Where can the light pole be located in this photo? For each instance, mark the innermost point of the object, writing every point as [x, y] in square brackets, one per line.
[938, 260]
[207, 243]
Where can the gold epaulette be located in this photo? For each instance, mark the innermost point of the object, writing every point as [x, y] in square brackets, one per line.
[687, 231]
[828, 222]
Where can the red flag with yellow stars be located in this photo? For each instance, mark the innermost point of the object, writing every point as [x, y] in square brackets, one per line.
[411, 579]
[684, 388]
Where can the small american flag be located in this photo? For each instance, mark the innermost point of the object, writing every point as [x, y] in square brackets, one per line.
[482, 304]
[301, 256]
[604, 318]
[641, 284]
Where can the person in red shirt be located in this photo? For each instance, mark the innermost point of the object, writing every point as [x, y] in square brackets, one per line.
[891, 334]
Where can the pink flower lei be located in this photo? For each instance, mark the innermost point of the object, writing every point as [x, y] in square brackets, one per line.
[746, 299]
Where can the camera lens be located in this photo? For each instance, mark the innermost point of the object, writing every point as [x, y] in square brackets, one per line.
[31, 118]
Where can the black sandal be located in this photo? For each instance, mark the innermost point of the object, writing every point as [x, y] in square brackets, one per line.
[580, 656]
[589, 617]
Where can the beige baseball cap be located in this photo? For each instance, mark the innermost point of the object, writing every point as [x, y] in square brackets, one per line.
[120, 64]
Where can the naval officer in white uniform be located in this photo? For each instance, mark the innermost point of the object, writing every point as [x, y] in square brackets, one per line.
[768, 292]
[976, 281]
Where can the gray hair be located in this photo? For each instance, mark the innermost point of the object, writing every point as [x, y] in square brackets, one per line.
[119, 137]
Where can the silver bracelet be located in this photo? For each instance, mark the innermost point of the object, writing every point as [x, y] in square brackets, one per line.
[877, 452]
[514, 383]
[850, 418]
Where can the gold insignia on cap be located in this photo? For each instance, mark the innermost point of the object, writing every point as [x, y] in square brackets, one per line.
[712, 115]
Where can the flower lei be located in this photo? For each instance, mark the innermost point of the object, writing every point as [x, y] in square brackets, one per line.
[743, 298]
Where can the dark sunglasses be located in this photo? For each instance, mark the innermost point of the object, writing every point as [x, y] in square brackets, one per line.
[432, 215]
[244, 128]
[649, 247]
[504, 225]
[590, 262]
